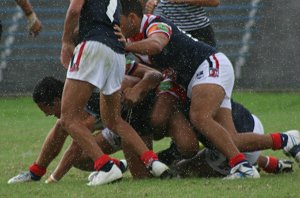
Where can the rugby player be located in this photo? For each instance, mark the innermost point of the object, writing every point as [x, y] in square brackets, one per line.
[47, 95]
[98, 61]
[208, 77]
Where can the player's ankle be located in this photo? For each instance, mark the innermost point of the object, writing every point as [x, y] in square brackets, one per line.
[148, 157]
[239, 158]
[37, 171]
[102, 161]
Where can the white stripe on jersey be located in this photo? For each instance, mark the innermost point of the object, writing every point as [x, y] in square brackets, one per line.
[186, 17]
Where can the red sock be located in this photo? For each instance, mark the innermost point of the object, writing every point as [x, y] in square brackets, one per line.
[236, 159]
[116, 161]
[37, 170]
[148, 157]
[101, 161]
[277, 142]
[272, 165]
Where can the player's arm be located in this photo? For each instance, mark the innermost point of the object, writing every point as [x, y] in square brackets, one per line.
[150, 46]
[50, 149]
[158, 37]
[71, 22]
[150, 78]
[34, 24]
[71, 155]
[52, 145]
[204, 3]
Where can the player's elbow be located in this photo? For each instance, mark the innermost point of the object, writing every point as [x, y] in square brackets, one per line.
[156, 48]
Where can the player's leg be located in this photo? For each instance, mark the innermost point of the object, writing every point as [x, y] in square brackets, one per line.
[182, 133]
[163, 107]
[75, 96]
[110, 108]
[135, 165]
[206, 100]
[210, 91]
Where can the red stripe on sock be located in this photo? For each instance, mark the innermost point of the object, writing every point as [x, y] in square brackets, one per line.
[101, 161]
[37, 170]
[236, 159]
[277, 142]
[148, 157]
[272, 165]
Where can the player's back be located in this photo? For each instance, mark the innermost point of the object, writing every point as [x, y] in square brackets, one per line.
[96, 22]
[183, 53]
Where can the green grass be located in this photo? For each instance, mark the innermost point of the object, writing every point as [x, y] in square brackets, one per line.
[23, 128]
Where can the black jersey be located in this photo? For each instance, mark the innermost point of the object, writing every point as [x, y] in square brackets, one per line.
[183, 53]
[138, 116]
[243, 122]
[96, 22]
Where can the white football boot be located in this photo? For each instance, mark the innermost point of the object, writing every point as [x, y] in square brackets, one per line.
[293, 145]
[102, 177]
[159, 169]
[21, 178]
[123, 167]
[242, 170]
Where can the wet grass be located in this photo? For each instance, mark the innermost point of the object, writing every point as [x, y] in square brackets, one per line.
[23, 128]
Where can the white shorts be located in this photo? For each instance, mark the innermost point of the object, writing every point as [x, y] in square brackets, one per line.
[99, 65]
[217, 69]
[218, 161]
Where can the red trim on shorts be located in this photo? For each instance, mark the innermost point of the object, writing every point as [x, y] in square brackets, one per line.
[216, 60]
[80, 53]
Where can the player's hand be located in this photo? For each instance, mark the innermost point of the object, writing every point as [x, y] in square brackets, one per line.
[150, 6]
[131, 96]
[119, 34]
[66, 53]
[51, 179]
[34, 25]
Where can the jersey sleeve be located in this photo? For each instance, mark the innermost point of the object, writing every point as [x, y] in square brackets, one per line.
[159, 27]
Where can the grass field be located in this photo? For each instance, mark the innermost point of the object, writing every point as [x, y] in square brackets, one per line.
[23, 128]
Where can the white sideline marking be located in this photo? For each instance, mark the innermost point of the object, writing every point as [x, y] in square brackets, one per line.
[241, 60]
[10, 39]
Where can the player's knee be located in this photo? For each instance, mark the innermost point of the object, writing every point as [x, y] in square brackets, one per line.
[158, 121]
[198, 118]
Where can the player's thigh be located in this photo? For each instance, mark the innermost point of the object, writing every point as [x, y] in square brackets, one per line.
[164, 106]
[75, 96]
[206, 100]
